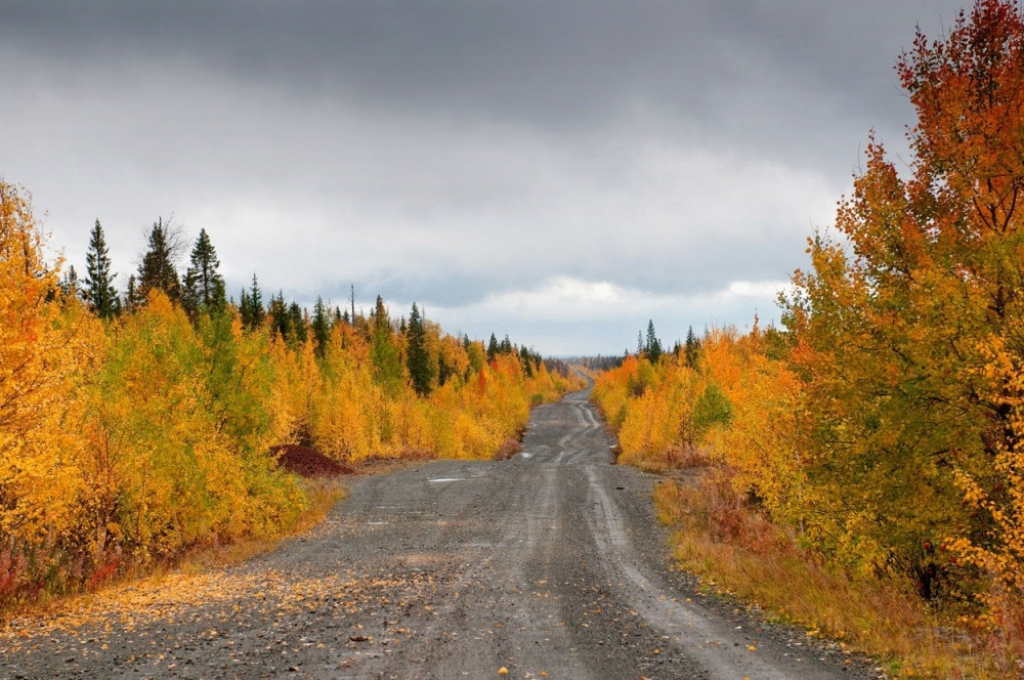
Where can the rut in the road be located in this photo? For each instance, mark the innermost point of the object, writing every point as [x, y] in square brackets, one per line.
[550, 564]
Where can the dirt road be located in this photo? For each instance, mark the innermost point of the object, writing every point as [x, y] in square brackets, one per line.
[549, 565]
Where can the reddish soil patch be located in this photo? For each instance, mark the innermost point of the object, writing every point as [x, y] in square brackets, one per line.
[508, 448]
[308, 462]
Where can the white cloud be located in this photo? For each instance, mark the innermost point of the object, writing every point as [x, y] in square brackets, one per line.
[574, 305]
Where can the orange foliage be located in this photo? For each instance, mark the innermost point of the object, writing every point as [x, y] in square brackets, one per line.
[47, 346]
[133, 441]
[885, 425]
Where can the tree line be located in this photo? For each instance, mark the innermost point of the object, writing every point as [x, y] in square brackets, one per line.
[202, 291]
[138, 425]
[883, 424]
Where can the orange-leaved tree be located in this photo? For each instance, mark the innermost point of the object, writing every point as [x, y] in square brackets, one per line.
[46, 342]
[900, 320]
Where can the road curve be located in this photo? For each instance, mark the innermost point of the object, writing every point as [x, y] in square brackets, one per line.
[549, 565]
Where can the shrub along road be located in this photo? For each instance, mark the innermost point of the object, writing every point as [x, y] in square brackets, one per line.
[548, 565]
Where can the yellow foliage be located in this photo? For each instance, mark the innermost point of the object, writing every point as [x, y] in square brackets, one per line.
[345, 407]
[47, 346]
[177, 476]
[132, 441]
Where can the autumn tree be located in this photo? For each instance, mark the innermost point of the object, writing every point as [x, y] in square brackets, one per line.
[45, 347]
[130, 443]
[452, 360]
[157, 271]
[383, 351]
[904, 322]
[204, 286]
[98, 286]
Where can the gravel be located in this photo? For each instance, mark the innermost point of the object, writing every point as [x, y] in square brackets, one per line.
[547, 565]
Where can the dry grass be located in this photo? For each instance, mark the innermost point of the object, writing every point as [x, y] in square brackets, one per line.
[738, 552]
[322, 493]
[676, 457]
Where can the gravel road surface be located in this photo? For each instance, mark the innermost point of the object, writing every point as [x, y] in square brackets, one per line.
[548, 565]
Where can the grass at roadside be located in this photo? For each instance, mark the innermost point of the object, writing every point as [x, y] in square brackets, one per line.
[737, 552]
[322, 493]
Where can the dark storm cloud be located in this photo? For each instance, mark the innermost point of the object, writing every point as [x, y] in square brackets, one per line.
[555, 65]
[460, 153]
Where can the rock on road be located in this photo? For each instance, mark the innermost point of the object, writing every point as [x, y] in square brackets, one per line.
[549, 565]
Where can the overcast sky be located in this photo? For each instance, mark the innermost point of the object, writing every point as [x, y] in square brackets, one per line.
[560, 170]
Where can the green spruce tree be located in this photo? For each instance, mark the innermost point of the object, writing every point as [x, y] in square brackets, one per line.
[298, 322]
[652, 346]
[321, 326]
[204, 286]
[157, 270]
[98, 289]
[492, 348]
[251, 308]
[691, 348]
[421, 370]
[280, 321]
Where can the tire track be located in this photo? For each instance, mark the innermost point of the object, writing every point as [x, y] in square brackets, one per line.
[550, 564]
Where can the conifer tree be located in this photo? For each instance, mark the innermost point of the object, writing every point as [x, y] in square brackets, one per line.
[321, 326]
[243, 307]
[692, 348]
[527, 360]
[69, 283]
[157, 269]
[281, 322]
[251, 307]
[204, 286]
[298, 322]
[492, 348]
[133, 298]
[652, 347]
[98, 289]
[418, 354]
